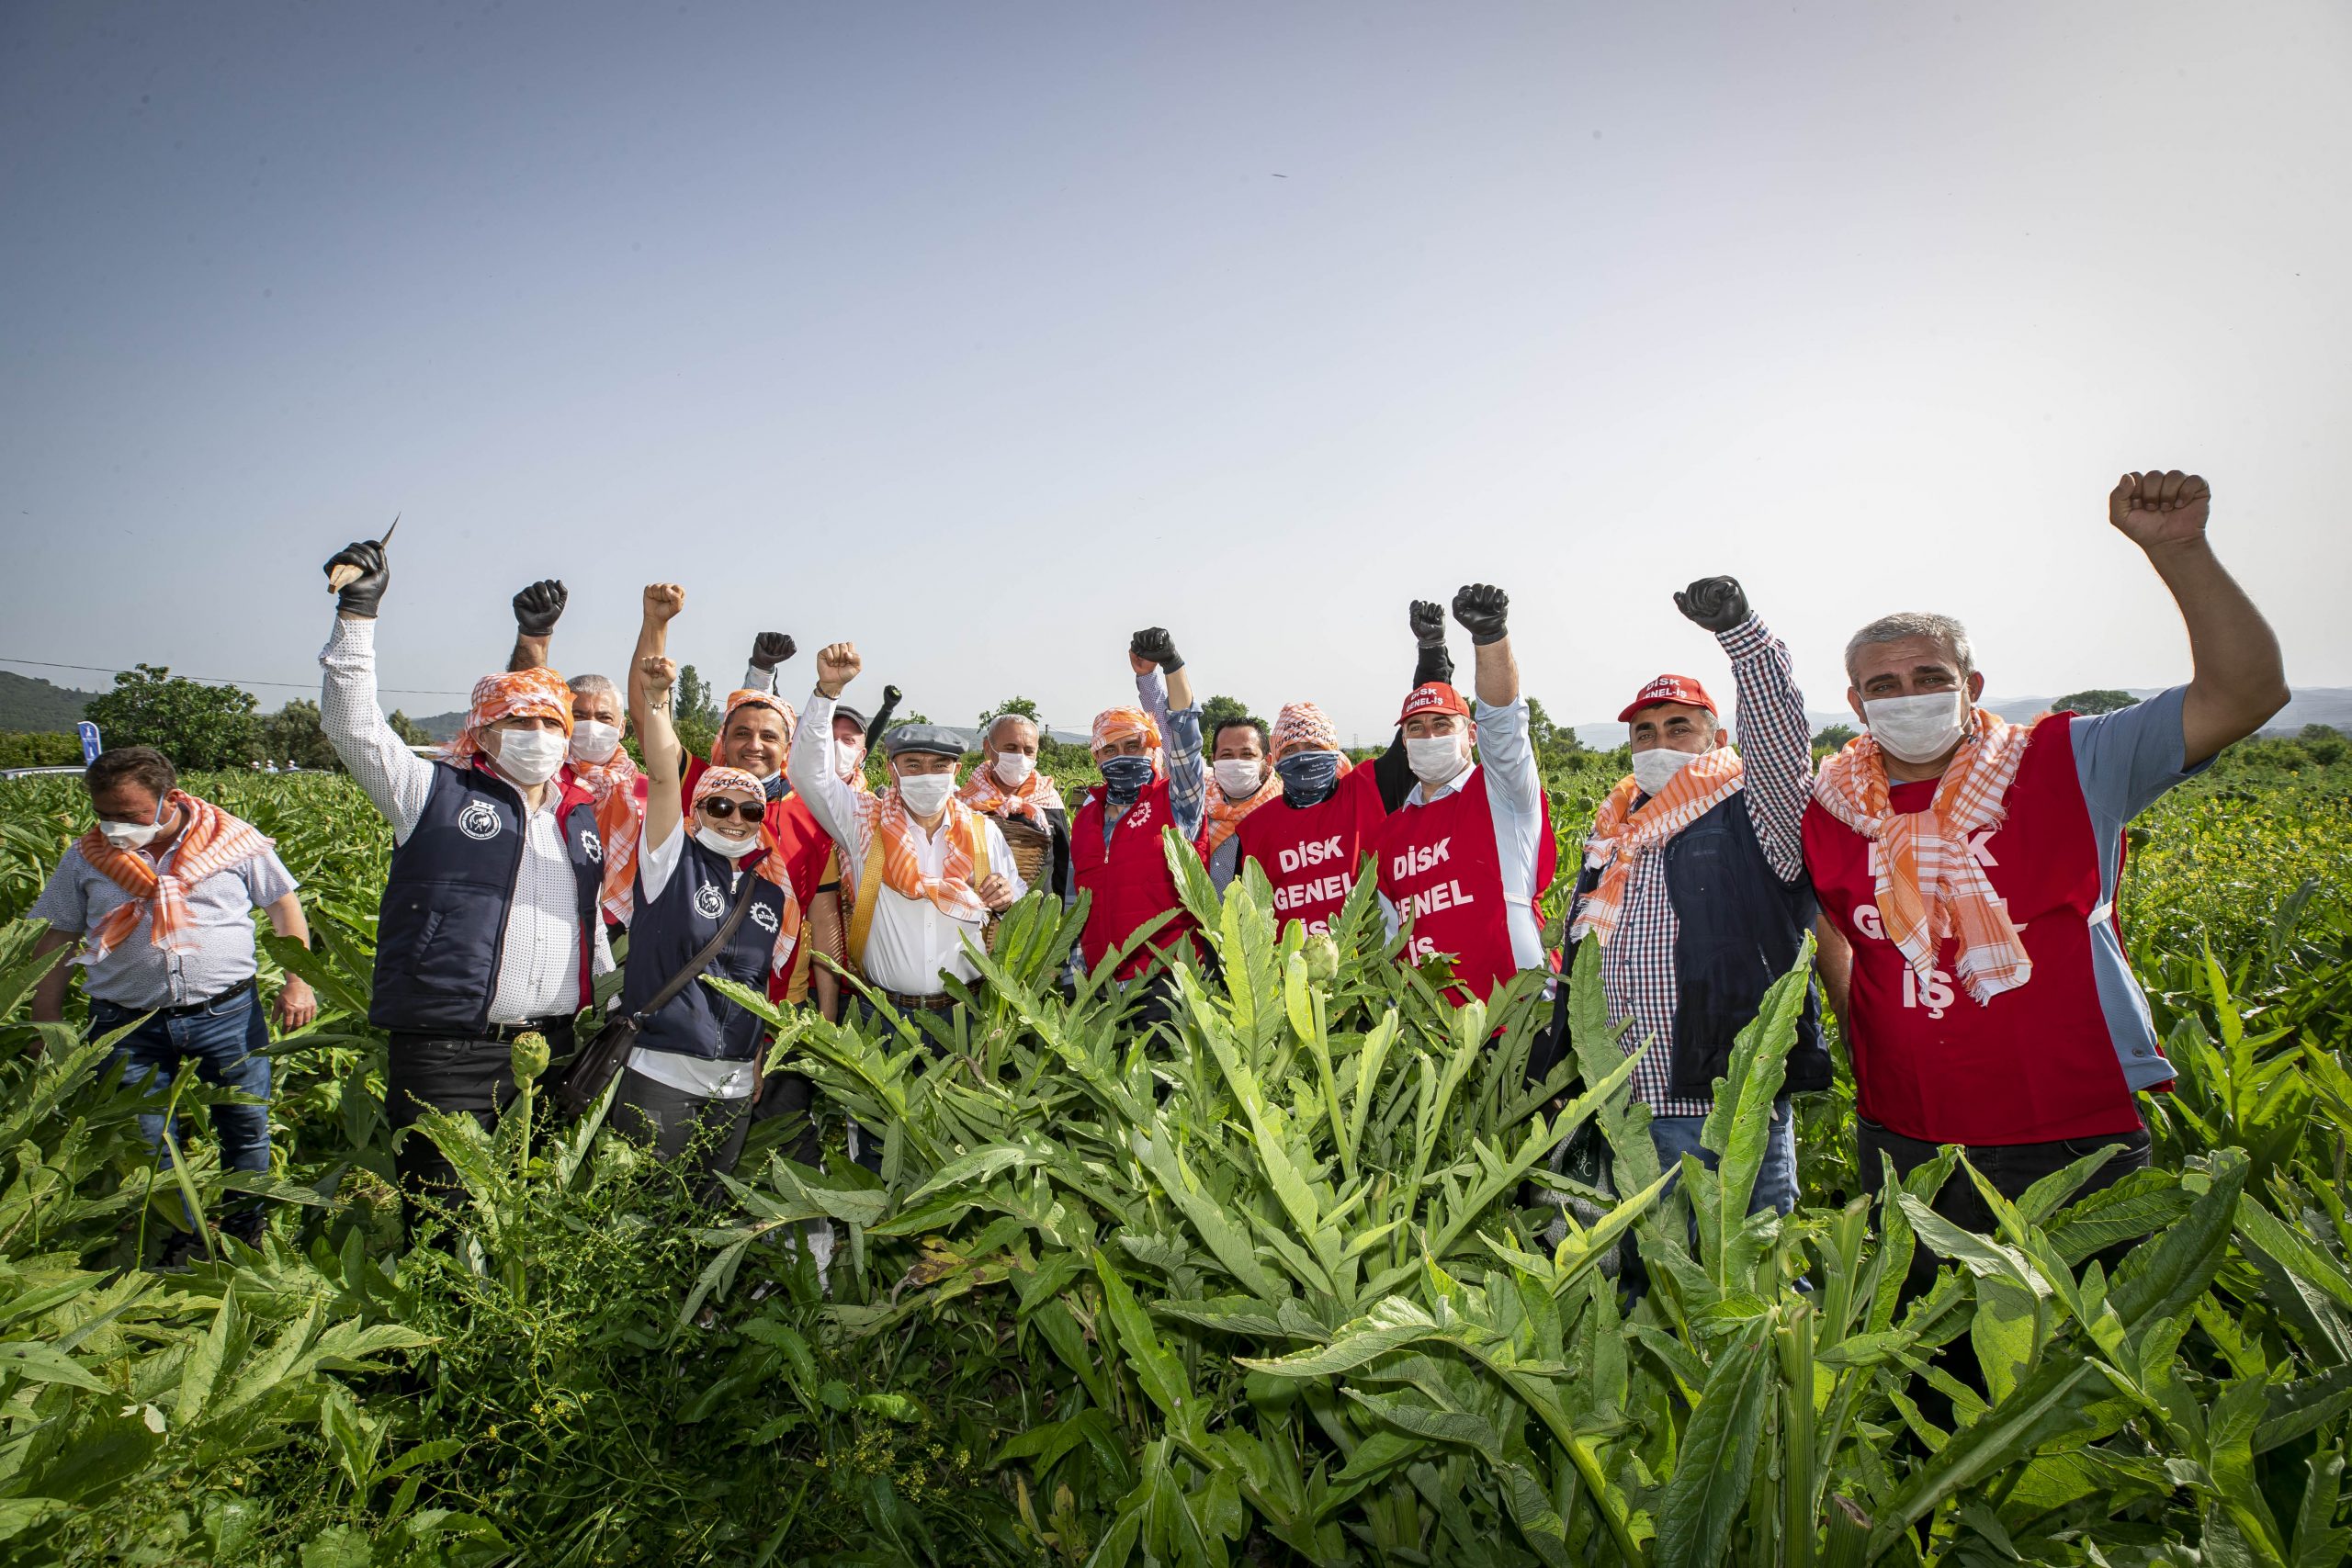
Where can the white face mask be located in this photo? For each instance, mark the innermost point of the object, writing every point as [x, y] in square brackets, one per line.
[1013, 767]
[720, 843]
[595, 742]
[925, 792]
[1438, 758]
[849, 762]
[1655, 769]
[130, 835]
[1916, 729]
[1240, 777]
[531, 756]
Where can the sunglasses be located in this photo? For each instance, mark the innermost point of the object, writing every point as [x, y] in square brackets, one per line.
[719, 808]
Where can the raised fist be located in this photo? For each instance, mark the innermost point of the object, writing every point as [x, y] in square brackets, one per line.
[1483, 611]
[2166, 508]
[663, 600]
[837, 666]
[540, 607]
[657, 671]
[1428, 618]
[772, 649]
[1151, 648]
[358, 574]
[1717, 603]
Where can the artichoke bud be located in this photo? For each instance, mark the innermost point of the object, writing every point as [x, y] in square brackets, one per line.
[528, 1055]
[1322, 956]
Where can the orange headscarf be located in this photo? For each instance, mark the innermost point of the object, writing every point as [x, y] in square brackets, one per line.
[1302, 727]
[615, 784]
[1929, 886]
[210, 842]
[1036, 796]
[531, 693]
[747, 697]
[1115, 725]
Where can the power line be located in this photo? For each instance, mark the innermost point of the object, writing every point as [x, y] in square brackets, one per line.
[226, 680]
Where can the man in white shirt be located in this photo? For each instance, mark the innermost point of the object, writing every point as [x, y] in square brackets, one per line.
[489, 923]
[920, 870]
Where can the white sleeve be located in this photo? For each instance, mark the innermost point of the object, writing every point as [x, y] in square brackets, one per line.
[758, 680]
[600, 960]
[395, 778]
[818, 781]
[1508, 754]
[656, 864]
[1001, 859]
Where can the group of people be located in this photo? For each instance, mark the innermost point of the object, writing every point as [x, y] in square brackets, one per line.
[1958, 869]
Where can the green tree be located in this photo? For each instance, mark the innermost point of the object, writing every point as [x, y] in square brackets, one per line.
[1020, 705]
[408, 729]
[2326, 743]
[196, 726]
[1554, 743]
[293, 733]
[1832, 736]
[697, 703]
[1219, 711]
[38, 750]
[2097, 699]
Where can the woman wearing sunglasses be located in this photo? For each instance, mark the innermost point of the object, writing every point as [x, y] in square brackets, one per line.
[688, 1088]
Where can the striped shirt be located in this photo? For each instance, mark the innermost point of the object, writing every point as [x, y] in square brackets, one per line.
[1637, 966]
[1188, 784]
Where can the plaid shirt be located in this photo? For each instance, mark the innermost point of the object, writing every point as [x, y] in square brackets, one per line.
[1637, 966]
[1180, 732]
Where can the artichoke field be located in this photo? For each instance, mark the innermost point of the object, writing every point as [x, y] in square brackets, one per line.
[1302, 1278]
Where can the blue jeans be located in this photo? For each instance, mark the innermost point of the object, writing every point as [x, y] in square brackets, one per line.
[1776, 1178]
[225, 1042]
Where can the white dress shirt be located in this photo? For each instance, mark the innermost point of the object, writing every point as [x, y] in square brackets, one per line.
[1515, 800]
[913, 941]
[538, 963]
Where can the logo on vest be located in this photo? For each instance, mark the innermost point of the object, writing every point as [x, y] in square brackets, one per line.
[763, 917]
[1140, 814]
[591, 846]
[479, 820]
[710, 902]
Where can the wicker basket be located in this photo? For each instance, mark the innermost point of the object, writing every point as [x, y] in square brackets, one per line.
[1033, 849]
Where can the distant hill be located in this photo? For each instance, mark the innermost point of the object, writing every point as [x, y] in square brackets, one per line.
[28, 704]
[441, 726]
[2307, 705]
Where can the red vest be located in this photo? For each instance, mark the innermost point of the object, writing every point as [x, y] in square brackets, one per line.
[1129, 878]
[1439, 865]
[805, 843]
[1311, 853]
[2034, 1065]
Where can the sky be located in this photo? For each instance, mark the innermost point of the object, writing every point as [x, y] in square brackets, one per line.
[983, 335]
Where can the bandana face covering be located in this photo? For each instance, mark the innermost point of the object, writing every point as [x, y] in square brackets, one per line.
[1126, 776]
[1308, 777]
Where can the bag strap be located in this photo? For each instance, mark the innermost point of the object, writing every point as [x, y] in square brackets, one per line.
[710, 950]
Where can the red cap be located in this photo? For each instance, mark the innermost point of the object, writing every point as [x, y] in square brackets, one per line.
[1669, 689]
[1435, 698]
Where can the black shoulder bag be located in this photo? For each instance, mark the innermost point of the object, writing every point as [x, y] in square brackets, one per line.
[599, 1062]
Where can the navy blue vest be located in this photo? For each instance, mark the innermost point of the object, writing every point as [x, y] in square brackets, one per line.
[443, 920]
[1740, 927]
[669, 930]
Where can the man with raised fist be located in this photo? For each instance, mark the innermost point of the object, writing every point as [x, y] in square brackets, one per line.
[1693, 882]
[1465, 858]
[1970, 863]
[1152, 780]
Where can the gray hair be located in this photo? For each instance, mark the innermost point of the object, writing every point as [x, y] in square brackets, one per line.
[1911, 624]
[987, 730]
[594, 686]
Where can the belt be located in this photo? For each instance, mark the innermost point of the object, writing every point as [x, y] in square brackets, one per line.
[185, 1008]
[555, 1028]
[938, 1001]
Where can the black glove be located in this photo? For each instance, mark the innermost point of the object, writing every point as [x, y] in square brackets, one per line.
[538, 607]
[772, 649]
[1429, 622]
[881, 719]
[1483, 611]
[1717, 603]
[362, 593]
[1154, 646]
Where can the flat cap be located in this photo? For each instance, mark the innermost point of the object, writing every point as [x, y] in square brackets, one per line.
[935, 738]
[855, 715]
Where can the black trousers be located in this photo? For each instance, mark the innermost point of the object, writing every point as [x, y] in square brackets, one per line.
[435, 1072]
[675, 1123]
[2010, 1168]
